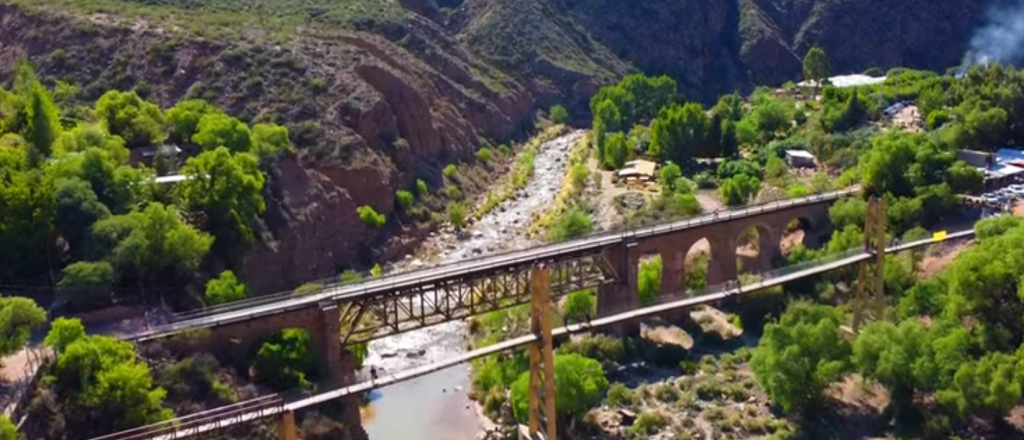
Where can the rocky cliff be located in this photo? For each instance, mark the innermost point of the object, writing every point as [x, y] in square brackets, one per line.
[373, 106]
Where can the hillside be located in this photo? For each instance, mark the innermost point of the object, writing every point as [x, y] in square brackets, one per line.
[378, 93]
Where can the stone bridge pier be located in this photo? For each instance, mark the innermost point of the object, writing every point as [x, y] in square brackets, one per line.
[722, 241]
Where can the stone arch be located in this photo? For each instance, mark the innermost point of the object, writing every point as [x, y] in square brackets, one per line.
[649, 277]
[799, 230]
[757, 247]
[695, 267]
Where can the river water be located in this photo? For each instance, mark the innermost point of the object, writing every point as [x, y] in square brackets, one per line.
[436, 406]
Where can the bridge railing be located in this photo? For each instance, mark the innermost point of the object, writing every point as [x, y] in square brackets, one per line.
[270, 404]
[333, 287]
[267, 406]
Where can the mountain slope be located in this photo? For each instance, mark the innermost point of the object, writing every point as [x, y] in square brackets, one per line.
[377, 93]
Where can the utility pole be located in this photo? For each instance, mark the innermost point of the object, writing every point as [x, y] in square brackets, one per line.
[542, 367]
[871, 278]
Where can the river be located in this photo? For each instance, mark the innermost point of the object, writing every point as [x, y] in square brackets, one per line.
[436, 406]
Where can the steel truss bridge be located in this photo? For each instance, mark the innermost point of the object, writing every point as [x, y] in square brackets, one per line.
[212, 422]
[395, 303]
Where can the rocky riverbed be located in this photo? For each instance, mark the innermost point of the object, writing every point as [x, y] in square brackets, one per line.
[436, 406]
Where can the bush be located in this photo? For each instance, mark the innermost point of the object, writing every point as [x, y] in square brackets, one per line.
[580, 305]
[620, 395]
[484, 155]
[609, 351]
[421, 188]
[224, 289]
[308, 289]
[370, 217]
[87, 285]
[559, 114]
[404, 199]
[650, 423]
[457, 215]
[285, 360]
[580, 175]
[450, 171]
[571, 224]
[453, 192]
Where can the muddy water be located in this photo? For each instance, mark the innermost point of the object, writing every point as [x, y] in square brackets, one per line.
[436, 407]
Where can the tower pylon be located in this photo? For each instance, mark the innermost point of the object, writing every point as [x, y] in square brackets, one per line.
[542, 367]
[871, 272]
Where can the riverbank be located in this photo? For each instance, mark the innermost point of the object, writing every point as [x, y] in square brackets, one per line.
[436, 406]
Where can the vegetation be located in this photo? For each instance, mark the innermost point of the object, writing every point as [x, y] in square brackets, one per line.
[224, 289]
[285, 360]
[370, 217]
[405, 199]
[456, 215]
[558, 114]
[579, 385]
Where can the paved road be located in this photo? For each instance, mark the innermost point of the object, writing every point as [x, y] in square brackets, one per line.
[247, 310]
[222, 419]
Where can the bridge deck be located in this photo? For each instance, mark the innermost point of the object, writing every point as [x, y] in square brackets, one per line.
[243, 310]
[182, 432]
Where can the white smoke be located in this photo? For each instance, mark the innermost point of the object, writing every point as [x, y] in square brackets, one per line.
[1001, 39]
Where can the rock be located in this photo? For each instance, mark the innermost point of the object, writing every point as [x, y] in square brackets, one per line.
[628, 417]
[388, 354]
[416, 354]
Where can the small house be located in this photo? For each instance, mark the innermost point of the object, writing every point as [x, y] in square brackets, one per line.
[640, 169]
[800, 159]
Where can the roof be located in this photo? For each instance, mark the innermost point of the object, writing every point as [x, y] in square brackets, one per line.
[638, 167]
[171, 179]
[803, 154]
[849, 81]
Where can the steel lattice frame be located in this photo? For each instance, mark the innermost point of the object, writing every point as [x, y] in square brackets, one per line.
[870, 281]
[399, 311]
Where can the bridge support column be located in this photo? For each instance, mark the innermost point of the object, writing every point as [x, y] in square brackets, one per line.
[337, 367]
[542, 367]
[286, 427]
[672, 287]
[722, 266]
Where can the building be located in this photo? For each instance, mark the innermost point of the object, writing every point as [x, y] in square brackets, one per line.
[800, 159]
[638, 170]
[842, 81]
[1000, 169]
[146, 155]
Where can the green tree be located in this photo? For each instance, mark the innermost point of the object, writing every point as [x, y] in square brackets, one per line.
[153, 244]
[43, 121]
[799, 356]
[269, 142]
[456, 215]
[104, 387]
[740, 189]
[285, 360]
[87, 285]
[18, 317]
[86, 136]
[649, 281]
[484, 155]
[668, 176]
[421, 188]
[125, 114]
[370, 217]
[217, 130]
[404, 199]
[228, 188]
[816, 67]
[63, 332]
[77, 209]
[450, 171]
[184, 118]
[224, 289]
[376, 271]
[615, 151]
[559, 114]
[989, 387]
[580, 305]
[579, 385]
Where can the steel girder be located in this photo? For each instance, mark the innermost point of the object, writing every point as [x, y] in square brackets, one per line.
[399, 311]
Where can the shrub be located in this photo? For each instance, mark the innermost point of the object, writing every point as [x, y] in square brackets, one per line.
[580, 174]
[421, 187]
[370, 217]
[457, 215]
[308, 289]
[453, 192]
[224, 289]
[571, 224]
[484, 155]
[285, 361]
[559, 114]
[620, 395]
[649, 423]
[404, 199]
[580, 305]
[450, 171]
